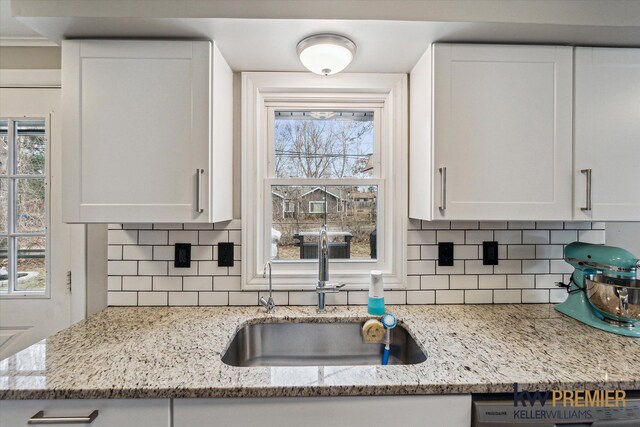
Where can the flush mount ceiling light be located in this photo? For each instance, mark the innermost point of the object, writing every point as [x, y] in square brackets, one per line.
[326, 54]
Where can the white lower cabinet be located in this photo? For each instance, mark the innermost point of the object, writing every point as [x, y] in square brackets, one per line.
[352, 411]
[111, 412]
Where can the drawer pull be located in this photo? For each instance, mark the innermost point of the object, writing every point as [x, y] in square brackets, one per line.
[588, 173]
[443, 189]
[199, 173]
[39, 418]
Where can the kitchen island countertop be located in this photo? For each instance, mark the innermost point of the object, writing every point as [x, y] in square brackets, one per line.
[161, 352]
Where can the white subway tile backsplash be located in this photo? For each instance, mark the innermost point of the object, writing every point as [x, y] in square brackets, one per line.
[123, 237]
[493, 225]
[421, 297]
[122, 298]
[161, 283]
[493, 281]
[540, 237]
[137, 252]
[535, 296]
[114, 252]
[436, 225]
[540, 266]
[213, 237]
[563, 236]
[479, 236]
[226, 283]
[152, 298]
[214, 298]
[421, 238]
[464, 225]
[596, 237]
[136, 283]
[456, 237]
[114, 283]
[507, 296]
[141, 269]
[508, 237]
[434, 282]
[421, 267]
[511, 266]
[450, 297]
[122, 268]
[198, 283]
[520, 281]
[463, 282]
[152, 238]
[152, 268]
[521, 251]
[478, 297]
[183, 237]
[183, 298]
[522, 225]
[477, 267]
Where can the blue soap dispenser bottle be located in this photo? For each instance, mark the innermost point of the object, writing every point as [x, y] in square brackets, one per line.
[375, 305]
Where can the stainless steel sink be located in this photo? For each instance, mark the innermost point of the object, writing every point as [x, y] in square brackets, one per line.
[316, 344]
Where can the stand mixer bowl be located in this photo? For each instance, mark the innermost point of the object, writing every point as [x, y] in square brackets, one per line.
[617, 299]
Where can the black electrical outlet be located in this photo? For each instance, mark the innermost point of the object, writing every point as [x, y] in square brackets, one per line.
[183, 255]
[490, 253]
[445, 254]
[225, 254]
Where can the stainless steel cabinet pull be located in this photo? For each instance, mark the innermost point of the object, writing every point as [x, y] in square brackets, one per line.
[199, 208]
[443, 189]
[39, 418]
[588, 172]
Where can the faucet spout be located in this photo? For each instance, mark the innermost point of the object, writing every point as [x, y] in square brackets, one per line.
[324, 287]
[268, 303]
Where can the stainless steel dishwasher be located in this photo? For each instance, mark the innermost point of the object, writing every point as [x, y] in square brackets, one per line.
[499, 411]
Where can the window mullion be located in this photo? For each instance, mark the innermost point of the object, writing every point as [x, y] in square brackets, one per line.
[11, 240]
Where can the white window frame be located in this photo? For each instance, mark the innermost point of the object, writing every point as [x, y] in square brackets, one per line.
[261, 93]
[11, 232]
[319, 202]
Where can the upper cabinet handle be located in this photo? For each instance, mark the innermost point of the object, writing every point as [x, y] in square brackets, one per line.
[443, 189]
[588, 172]
[39, 418]
[199, 207]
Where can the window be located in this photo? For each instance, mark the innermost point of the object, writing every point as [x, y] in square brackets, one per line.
[316, 154]
[23, 212]
[317, 207]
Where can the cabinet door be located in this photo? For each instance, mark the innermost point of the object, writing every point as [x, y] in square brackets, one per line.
[607, 134]
[118, 412]
[352, 411]
[502, 132]
[136, 130]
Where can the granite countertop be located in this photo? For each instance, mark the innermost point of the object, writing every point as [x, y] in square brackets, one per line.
[175, 352]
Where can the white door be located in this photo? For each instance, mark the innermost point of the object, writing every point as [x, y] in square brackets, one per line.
[607, 134]
[502, 132]
[35, 254]
[136, 129]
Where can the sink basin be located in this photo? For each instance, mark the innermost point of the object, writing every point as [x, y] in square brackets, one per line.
[316, 344]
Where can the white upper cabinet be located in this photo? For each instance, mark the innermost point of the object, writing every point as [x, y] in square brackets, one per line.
[607, 134]
[495, 141]
[147, 131]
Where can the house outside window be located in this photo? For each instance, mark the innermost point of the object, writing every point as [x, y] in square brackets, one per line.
[333, 158]
[23, 206]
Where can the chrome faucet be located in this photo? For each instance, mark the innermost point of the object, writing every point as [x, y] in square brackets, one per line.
[324, 287]
[268, 303]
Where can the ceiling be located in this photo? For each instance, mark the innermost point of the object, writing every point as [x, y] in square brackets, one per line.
[269, 44]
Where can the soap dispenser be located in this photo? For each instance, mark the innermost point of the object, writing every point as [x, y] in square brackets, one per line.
[376, 294]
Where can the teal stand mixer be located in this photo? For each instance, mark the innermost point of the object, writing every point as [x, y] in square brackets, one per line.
[604, 291]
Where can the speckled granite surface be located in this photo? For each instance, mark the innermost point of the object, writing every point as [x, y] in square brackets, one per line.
[175, 352]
